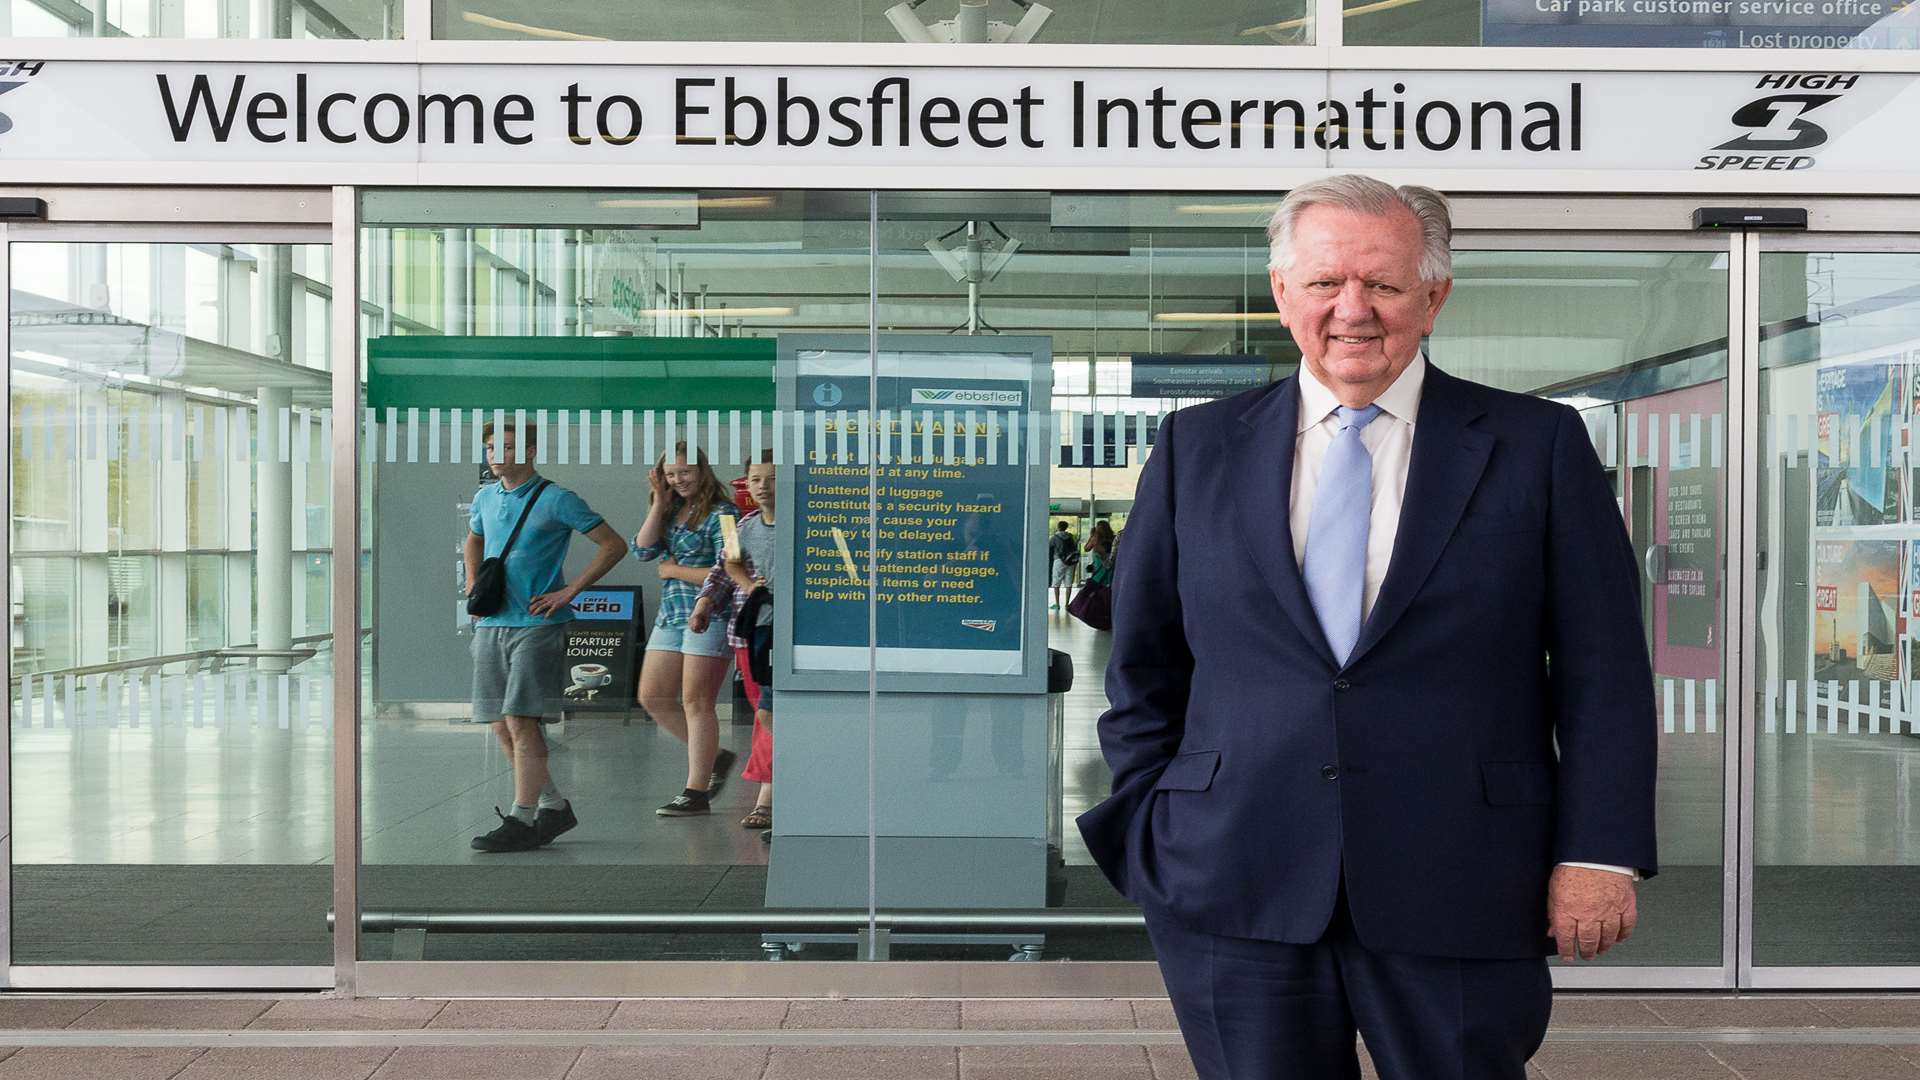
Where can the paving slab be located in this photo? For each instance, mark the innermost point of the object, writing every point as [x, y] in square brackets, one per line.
[712, 1014]
[524, 1015]
[1055, 1014]
[1789, 1061]
[348, 1014]
[172, 1013]
[1588, 1014]
[97, 1062]
[1740, 1012]
[287, 1063]
[1629, 1061]
[671, 1063]
[1171, 1063]
[1054, 1063]
[875, 1014]
[1154, 1015]
[1887, 1012]
[43, 1013]
[863, 1063]
[475, 1063]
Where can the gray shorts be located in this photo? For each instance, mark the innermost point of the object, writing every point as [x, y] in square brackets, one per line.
[517, 671]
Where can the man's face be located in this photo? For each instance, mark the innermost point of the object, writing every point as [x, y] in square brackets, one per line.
[760, 483]
[1353, 298]
[500, 453]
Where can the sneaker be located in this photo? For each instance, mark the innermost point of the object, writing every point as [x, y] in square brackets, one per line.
[549, 824]
[512, 835]
[686, 804]
[722, 768]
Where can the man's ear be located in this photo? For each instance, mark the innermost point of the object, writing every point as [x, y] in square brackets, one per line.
[1278, 285]
[1436, 299]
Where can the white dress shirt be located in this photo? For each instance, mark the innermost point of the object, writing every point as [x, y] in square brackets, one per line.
[1389, 439]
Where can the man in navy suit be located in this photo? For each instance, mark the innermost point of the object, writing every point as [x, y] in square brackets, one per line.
[1382, 723]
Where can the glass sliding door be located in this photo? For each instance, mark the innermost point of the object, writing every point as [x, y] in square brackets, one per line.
[169, 672]
[1836, 824]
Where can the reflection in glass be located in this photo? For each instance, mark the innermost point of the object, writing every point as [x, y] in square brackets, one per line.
[1836, 745]
[157, 628]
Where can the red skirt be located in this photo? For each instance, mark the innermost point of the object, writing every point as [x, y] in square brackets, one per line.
[759, 768]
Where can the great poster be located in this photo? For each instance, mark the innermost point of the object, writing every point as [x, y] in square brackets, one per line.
[945, 478]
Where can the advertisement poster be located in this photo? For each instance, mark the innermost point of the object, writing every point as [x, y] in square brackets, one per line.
[1857, 484]
[1693, 502]
[602, 641]
[951, 491]
[1856, 620]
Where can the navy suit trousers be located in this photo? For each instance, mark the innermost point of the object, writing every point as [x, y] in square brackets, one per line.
[1265, 1010]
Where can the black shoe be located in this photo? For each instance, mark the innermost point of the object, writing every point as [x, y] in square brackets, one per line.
[512, 835]
[549, 824]
[722, 766]
[686, 804]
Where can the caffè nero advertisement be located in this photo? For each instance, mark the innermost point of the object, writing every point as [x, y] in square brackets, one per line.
[597, 118]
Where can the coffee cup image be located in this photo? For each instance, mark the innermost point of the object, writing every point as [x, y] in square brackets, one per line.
[591, 676]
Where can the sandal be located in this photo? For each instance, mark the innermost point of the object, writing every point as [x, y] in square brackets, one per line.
[760, 817]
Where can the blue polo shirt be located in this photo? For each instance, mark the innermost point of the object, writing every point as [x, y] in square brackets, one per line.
[537, 563]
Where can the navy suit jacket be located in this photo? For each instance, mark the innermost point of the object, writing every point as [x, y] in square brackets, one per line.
[1496, 716]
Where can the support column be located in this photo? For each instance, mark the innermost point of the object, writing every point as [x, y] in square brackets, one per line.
[569, 300]
[273, 546]
[456, 285]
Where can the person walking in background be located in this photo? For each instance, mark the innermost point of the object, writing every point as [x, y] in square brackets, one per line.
[684, 669]
[519, 647]
[733, 578]
[1100, 548]
[1063, 554]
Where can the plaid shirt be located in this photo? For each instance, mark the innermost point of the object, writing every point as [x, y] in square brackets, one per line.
[724, 593]
[690, 547]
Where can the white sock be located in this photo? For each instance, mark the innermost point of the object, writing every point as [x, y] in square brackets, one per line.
[550, 798]
[524, 813]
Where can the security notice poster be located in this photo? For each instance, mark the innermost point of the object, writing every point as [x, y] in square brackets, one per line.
[1855, 403]
[938, 458]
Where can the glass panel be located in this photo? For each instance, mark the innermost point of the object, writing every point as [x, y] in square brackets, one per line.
[609, 327]
[281, 19]
[153, 594]
[1149, 303]
[1134, 22]
[1839, 584]
[1681, 24]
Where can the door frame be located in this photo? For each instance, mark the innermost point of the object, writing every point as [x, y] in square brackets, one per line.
[151, 216]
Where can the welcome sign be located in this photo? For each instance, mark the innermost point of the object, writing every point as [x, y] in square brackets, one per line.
[609, 117]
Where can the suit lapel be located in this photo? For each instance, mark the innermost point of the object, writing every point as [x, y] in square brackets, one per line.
[1448, 460]
[1263, 455]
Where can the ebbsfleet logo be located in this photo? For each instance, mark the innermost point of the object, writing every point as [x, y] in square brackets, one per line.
[939, 396]
[1778, 133]
[14, 74]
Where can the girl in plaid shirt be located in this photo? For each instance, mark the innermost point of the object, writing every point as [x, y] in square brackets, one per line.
[684, 669]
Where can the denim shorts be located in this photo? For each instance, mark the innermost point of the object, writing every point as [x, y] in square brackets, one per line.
[683, 640]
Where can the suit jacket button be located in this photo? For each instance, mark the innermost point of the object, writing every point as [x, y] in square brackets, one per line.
[1342, 684]
[1329, 772]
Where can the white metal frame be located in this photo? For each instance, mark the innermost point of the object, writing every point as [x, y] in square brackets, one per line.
[1488, 222]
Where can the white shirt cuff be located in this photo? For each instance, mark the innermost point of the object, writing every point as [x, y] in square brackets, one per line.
[1627, 870]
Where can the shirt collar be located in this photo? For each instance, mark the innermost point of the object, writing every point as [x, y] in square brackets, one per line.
[1400, 401]
[521, 491]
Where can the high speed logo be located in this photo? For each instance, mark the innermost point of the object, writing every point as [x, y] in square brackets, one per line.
[1777, 129]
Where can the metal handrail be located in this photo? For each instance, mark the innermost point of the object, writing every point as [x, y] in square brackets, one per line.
[770, 920]
[244, 651]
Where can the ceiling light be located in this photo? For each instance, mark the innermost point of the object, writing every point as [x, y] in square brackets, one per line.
[738, 312]
[1216, 316]
[1228, 208]
[492, 23]
[688, 202]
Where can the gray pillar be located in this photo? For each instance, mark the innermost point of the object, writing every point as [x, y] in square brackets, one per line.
[273, 543]
[456, 287]
[570, 283]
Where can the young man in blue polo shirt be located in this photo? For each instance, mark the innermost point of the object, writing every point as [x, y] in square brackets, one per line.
[518, 651]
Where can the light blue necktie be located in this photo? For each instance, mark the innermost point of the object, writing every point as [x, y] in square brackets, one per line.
[1335, 564]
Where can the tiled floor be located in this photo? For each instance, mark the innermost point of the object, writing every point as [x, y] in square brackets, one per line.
[1594, 1037]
